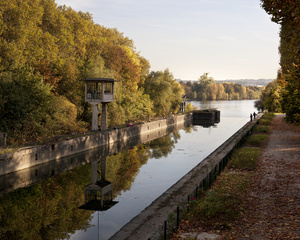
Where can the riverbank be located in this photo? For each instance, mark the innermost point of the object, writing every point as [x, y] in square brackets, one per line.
[32, 156]
[160, 218]
[270, 207]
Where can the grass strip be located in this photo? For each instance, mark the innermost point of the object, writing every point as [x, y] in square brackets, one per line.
[256, 140]
[245, 158]
[261, 129]
[225, 201]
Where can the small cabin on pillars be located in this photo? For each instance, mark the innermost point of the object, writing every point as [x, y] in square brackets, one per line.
[99, 90]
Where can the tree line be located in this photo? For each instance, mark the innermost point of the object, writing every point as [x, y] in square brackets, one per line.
[206, 88]
[46, 49]
[283, 94]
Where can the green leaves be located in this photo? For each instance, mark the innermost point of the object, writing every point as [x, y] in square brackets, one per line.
[164, 91]
[271, 96]
[45, 51]
[210, 90]
[29, 111]
[287, 13]
[129, 107]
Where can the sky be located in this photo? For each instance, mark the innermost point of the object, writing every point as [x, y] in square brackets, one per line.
[229, 39]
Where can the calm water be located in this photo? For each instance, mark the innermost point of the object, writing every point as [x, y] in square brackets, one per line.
[139, 175]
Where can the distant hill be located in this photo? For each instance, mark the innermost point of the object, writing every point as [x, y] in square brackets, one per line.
[244, 82]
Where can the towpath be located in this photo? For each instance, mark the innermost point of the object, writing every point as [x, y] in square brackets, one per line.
[274, 202]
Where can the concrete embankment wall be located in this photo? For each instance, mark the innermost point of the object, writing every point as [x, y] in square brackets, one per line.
[36, 155]
[28, 176]
[159, 219]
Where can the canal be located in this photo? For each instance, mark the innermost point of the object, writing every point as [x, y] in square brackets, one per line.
[50, 208]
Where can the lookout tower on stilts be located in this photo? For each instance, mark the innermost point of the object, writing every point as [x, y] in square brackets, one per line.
[99, 90]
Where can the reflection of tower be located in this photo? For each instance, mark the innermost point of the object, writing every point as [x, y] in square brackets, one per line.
[98, 196]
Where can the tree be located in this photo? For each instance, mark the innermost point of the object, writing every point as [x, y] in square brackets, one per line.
[259, 105]
[204, 79]
[129, 107]
[177, 94]
[206, 87]
[51, 48]
[229, 89]
[287, 13]
[165, 93]
[19, 33]
[271, 97]
[29, 111]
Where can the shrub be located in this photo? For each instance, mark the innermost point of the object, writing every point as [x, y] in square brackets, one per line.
[224, 201]
[189, 107]
[265, 122]
[261, 129]
[269, 115]
[244, 158]
[267, 119]
[256, 140]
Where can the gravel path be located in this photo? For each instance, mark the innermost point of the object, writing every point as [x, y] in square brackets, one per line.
[273, 202]
[274, 210]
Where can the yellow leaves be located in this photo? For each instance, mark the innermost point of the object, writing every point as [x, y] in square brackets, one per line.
[132, 55]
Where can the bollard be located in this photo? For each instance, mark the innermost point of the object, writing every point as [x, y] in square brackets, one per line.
[5, 138]
[165, 231]
[177, 217]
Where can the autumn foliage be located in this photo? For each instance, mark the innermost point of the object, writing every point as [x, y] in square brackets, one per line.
[287, 87]
[45, 50]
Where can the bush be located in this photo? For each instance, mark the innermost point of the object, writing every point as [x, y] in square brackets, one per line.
[261, 129]
[256, 140]
[265, 122]
[269, 116]
[189, 107]
[224, 201]
[267, 119]
[244, 158]
[30, 112]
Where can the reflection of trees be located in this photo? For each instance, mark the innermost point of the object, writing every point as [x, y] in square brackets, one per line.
[123, 167]
[47, 210]
[190, 129]
[161, 147]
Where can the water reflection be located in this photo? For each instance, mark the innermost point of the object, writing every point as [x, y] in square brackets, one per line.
[98, 195]
[49, 209]
[139, 173]
[29, 176]
[206, 118]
